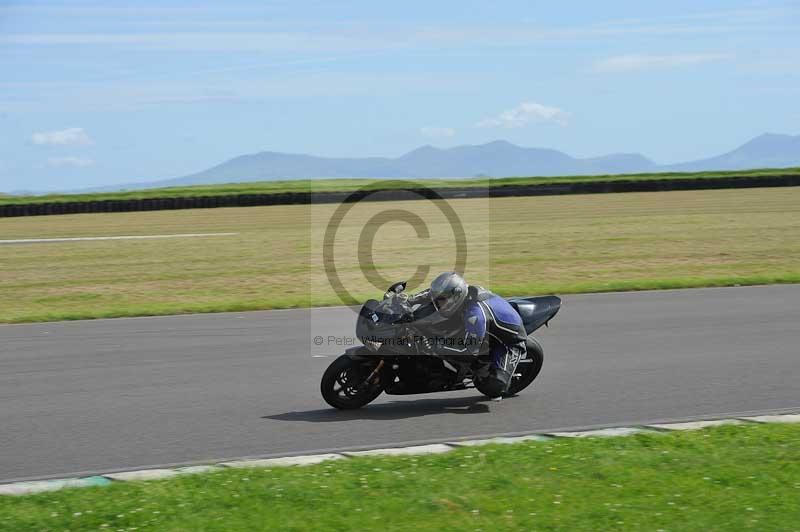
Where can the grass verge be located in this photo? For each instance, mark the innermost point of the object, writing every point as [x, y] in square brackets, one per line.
[516, 246]
[344, 185]
[174, 309]
[726, 478]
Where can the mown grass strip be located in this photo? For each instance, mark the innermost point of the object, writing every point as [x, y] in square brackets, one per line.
[725, 478]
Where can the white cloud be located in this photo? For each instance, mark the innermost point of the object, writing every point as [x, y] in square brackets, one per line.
[437, 132]
[270, 29]
[69, 161]
[63, 137]
[268, 34]
[266, 41]
[636, 62]
[94, 96]
[526, 113]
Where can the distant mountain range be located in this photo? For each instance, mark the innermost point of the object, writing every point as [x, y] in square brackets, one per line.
[495, 159]
[765, 151]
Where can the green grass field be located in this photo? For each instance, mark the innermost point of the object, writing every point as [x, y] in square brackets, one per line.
[332, 185]
[560, 244]
[727, 478]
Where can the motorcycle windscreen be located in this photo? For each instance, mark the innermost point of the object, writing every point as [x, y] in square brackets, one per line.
[377, 322]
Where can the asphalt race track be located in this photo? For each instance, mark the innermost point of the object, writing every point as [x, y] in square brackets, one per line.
[97, 396]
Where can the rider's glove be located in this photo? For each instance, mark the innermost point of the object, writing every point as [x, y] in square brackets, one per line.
[420, 297]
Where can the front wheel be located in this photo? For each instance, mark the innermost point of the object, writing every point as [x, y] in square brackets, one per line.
[343, 384]
[527, 369]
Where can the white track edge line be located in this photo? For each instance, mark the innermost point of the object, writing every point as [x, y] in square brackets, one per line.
[408, 443]
[101, 238]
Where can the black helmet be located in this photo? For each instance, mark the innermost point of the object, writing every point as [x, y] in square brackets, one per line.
[448, 293]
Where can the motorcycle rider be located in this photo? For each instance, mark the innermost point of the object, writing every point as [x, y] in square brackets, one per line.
[488, 323]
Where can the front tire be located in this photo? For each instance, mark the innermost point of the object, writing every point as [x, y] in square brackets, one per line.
[341, 384]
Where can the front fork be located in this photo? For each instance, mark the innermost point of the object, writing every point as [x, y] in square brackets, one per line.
[375, 374]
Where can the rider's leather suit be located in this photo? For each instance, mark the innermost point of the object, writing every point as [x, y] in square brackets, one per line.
[490, 325]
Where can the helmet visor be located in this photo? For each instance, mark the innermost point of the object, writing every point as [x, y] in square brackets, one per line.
[446, 305]
[440, 302]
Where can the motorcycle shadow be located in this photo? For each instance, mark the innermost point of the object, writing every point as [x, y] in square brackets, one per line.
[391, 410]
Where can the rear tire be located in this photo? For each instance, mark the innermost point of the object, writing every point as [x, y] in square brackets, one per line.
[529, 370]
[340, 385]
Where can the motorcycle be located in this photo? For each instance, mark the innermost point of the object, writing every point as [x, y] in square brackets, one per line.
[396, 357]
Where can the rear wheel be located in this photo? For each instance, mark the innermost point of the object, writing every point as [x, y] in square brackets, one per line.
[527, 369]
[343, 383]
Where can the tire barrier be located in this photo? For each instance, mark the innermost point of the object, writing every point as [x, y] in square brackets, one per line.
[303, 198]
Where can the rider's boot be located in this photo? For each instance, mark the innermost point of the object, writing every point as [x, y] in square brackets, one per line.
[496, 383]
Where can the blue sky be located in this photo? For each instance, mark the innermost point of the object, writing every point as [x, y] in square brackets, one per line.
[98, 93]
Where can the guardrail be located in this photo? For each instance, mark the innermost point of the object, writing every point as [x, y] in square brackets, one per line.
[302, 198]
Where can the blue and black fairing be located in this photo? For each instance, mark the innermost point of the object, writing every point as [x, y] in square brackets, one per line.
[382, 320]
[536, 311]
